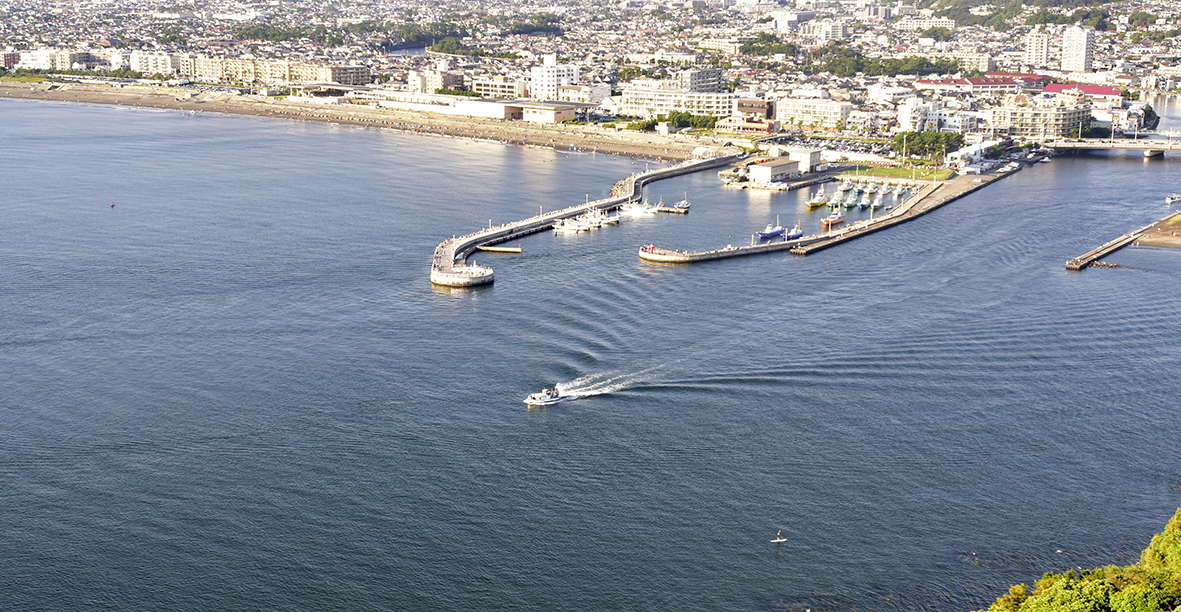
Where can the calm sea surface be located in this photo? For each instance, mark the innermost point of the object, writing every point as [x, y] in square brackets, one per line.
[237, 389]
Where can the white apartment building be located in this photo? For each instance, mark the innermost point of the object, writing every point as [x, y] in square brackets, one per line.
[649, 99]
[547, 77]
[40, 59]
[918, 24]
[1037, 118]
[809, 112]
[828, 29]
[584, 94]
[1037, 48]
[500, 87]
[153, 62]
[729, 46]
[703, 80]
[1078, 49]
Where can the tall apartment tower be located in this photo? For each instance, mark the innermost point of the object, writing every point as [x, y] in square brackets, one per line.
[1078, 49]
[549, 76]
[1037, 47]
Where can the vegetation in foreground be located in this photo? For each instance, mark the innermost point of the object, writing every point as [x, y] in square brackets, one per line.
[1153, 585]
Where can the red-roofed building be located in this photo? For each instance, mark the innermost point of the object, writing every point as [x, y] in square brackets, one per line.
[976, 86]
[1109, 95]
[1029, 81]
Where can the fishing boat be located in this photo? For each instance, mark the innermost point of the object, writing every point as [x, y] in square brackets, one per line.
[795, 232]
[846, 185]
[819, 198]
[772, 231]
[834, 219]
[877, 202]
[636, 208]
[571, 225]
[872, 187]
[864, 203]
[546, 397]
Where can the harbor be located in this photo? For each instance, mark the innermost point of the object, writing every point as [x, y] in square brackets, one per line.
[929, 196]
[450, 267]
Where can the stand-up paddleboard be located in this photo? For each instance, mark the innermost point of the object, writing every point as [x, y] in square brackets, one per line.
[779, 540]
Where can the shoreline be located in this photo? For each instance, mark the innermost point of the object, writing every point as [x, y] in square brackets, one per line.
[560, 137]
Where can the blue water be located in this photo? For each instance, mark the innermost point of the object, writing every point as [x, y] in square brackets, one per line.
[236, 389]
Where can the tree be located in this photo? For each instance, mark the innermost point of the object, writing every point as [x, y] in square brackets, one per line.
[938, 33]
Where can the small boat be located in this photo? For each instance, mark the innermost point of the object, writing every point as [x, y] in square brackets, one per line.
[772, 231]
[877, 203]
[637, 208]
[834, 219]
[864, 203]
[871, 188]
[571, 225]
[819, 198]
[683, 204]
[846, 185]
[794, 232]
[546, 397]
[1173, 198]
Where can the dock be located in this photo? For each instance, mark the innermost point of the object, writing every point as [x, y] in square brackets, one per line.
[928, 198]
[1156, 234]
[450, 267]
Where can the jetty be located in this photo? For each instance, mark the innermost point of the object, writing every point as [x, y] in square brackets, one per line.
[450, 266]
[929, 197]
[1156, 234]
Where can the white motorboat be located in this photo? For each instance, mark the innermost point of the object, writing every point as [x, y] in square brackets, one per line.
[546, 397]
[1173, 198]
[571, 225]
[637, 208]
[683, 204]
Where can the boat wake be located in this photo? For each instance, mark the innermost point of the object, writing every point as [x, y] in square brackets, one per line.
[609, 382]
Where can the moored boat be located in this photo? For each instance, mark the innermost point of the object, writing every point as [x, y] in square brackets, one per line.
[795, 232]
[819, 198]
[772, 231]
[834, 219]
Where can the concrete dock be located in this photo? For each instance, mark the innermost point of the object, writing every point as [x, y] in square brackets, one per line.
[928, 198]
[1161, 233]
[450, 267]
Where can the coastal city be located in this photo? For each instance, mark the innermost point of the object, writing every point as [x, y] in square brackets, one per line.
[850, 69]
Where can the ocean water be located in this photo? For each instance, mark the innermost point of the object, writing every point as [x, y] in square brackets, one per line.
[236, 388]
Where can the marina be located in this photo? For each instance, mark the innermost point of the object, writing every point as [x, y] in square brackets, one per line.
[929, 197]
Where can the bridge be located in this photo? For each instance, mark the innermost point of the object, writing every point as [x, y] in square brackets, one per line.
[1152, 147]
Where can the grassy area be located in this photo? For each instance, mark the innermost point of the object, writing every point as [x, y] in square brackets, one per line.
[919, 172]
[25, 78]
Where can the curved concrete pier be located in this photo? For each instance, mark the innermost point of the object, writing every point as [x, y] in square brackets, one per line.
[450, 267]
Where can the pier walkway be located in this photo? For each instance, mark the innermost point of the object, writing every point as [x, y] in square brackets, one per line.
[450, 267]
[925, 200]
[1156, 234]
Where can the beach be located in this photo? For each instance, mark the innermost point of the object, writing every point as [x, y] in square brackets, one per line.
[589, 138]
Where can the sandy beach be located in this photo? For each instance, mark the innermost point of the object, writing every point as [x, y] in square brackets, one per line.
[561, 137]
[1163, 233]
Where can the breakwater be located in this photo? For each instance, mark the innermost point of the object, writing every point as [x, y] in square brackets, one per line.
[450, 267]
[928, 198]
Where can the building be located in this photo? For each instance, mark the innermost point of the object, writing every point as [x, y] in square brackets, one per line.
[269, 72]
[747, 125]
[729, 46]
[547, 77]
[826, 30]
[39, 59]
[500, 87]
[918, 24]
[747, 107]
[703, 80]
[584, 94]
[977, 86]
[1038, 118]
[154, 62]
[1037, 48]
[773, 171]
[650, 99]
[815, 113]
[8, 59]
[1078, 49]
